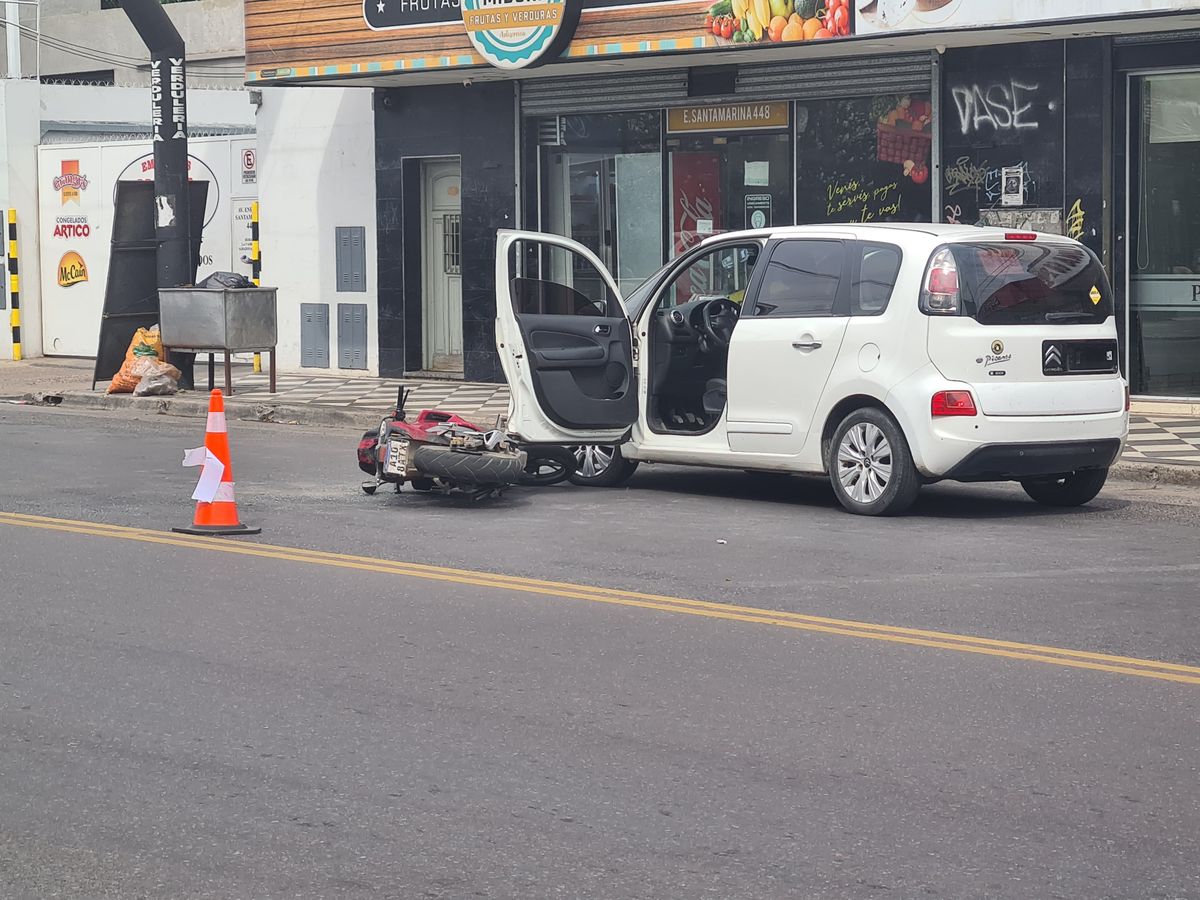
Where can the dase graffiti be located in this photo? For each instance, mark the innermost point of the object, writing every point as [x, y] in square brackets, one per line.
[1005, 106]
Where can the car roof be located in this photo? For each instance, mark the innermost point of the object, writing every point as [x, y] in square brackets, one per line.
[935, 232]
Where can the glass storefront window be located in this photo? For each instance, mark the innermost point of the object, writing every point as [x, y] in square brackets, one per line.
[864, 159]
[1164, 263]
[602, 187]
[727, 182]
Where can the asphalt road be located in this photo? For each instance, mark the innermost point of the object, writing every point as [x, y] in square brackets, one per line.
[415, 712]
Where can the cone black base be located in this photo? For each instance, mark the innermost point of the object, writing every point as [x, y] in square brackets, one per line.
[217, 529]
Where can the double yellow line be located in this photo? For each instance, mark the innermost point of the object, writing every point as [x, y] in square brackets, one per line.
[1059, 656]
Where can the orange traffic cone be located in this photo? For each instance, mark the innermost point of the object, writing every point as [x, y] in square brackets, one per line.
[220, 516]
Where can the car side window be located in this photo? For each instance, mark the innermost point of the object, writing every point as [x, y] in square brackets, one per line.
[548, 280]
[721, 272]
[873, 278]
[803, 278]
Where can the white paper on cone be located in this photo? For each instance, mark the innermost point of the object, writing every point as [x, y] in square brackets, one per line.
[210, 475]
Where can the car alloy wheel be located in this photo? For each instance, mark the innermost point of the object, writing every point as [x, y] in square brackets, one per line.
[601, 465]
[864, 462]
[592, 461]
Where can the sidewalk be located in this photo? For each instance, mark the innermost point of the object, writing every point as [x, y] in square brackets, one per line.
[1159, 435]
[298, 399]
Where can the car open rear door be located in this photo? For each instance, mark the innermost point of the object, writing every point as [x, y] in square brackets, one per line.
[565, 342]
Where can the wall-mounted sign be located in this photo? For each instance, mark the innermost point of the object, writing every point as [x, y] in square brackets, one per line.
[934, 15]
[728, 117]
[520, 34]
[758, 210]
[382, 14]
[70, 182]
[436, 38]
[249, 166]
[1012, 186]
[71, 269]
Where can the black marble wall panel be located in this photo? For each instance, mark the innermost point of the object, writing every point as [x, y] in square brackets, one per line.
[1002, 106]
[1088, 139]
[476, 124]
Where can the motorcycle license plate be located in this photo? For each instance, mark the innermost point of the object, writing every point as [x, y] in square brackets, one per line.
[397, 458]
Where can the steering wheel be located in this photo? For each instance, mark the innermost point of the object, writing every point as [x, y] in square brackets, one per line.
[717, 318]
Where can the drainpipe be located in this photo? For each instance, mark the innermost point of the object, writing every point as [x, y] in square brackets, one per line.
[168, 103]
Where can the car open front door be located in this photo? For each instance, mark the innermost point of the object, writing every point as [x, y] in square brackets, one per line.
[565, 342]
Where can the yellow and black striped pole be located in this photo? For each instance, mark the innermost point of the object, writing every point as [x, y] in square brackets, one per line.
[14, 285]
[255, 264]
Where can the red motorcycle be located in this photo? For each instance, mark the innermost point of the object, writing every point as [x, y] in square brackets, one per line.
[441, 451]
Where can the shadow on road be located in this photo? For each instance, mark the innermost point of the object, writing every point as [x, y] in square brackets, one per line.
[942, 501]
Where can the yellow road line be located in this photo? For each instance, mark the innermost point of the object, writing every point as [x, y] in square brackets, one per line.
[1061, 656]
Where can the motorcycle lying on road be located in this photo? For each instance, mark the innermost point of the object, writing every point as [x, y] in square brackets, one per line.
[443, 452]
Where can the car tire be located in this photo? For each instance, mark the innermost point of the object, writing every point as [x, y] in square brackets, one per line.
[871, 466]
[468, 468]
[601, 466]
[1073, 489]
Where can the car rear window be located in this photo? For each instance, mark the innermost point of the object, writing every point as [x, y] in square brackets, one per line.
[1032, 284]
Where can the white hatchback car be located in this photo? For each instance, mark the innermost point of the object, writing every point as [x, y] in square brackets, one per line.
[888, 356]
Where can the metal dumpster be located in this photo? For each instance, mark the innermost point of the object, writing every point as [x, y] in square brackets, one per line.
[232, 320]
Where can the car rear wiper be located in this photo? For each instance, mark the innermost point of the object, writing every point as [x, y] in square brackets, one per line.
[1064, 316]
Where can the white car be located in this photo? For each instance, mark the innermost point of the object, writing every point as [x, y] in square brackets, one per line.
[888, 356]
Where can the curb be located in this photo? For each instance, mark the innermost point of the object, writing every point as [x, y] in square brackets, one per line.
[197, 408]
[1156, 473]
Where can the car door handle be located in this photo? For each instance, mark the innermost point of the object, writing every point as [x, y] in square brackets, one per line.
[601, 329]
[807, 345]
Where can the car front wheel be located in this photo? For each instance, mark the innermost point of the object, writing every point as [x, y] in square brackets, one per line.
[599, 465]
[870, 465]
[1074, 489]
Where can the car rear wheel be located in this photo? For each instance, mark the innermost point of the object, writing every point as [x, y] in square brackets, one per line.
[870, 465]
[601, 465]
[1074, 489]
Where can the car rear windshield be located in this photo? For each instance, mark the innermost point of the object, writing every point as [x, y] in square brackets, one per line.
[1032, 284]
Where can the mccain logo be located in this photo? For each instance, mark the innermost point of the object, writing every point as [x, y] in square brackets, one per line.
[72, 270]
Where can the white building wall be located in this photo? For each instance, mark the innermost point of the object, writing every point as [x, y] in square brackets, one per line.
[316, 170]
[19, 135]
[77, 225]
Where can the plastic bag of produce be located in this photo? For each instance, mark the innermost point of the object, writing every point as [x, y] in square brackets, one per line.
[150, 367]
[146, 344]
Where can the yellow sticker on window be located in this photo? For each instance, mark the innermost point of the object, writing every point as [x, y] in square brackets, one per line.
[1095, 295]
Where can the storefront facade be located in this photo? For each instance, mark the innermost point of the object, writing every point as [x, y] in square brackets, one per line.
[640, 148]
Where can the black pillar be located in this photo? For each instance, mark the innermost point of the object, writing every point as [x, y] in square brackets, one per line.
[168, 104]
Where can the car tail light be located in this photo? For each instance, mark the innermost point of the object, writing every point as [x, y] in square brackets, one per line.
[952, 403]
[1020, 236]
[1127, 398]
[940, 297]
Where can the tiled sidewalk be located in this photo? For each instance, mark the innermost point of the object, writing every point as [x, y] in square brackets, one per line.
[1175, 441]
[483, 401]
